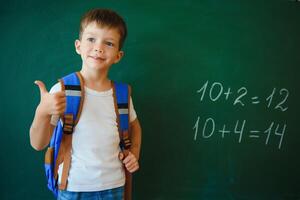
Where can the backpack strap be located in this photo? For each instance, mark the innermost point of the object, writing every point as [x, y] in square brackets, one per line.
[122, 93]
[60, 145]
[73, 86]
[121, 99]
[74, 89]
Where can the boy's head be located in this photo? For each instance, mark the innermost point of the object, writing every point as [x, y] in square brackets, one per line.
[104, 18]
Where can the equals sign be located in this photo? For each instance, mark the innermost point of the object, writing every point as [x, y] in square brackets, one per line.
[254, 136]
[255, 100]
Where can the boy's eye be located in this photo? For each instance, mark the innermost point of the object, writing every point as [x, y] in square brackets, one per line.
[109, 44]
[91, 39]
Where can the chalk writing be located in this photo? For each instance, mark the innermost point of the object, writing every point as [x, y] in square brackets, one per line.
[208, 127]
[215, 91]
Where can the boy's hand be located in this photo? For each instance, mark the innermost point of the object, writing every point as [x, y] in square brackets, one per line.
[129, 161]
[51, 104]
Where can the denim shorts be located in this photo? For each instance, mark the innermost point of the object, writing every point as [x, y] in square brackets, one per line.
[111, 194]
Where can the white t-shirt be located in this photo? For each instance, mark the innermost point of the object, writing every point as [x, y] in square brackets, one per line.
[95, 165]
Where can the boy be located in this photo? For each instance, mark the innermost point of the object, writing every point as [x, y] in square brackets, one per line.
[96, 170]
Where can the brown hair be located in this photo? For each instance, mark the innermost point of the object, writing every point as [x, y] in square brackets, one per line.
[106, 18]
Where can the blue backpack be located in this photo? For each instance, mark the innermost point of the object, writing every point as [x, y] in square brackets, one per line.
[60, 146]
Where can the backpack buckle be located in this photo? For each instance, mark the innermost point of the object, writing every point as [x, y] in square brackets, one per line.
[68, 124]
[125, 142]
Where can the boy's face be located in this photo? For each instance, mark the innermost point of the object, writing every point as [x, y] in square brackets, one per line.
[99, 47]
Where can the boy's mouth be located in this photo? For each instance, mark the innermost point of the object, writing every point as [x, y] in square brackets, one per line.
[97, 58]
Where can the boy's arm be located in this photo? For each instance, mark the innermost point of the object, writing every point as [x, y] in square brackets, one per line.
[131, 160]
[41, 128]
[136, 138]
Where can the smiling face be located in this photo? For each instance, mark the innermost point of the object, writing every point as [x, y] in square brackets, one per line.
[99, 47]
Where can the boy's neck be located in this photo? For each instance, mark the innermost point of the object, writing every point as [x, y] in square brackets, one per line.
[96, 80]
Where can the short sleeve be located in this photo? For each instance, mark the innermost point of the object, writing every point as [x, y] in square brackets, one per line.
[132, 113]
[55, 88]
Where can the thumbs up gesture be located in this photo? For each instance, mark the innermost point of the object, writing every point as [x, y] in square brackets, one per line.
[51, 104]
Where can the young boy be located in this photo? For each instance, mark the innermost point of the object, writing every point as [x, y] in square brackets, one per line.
[96, 170]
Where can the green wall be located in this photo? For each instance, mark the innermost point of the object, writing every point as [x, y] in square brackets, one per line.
[215, 85]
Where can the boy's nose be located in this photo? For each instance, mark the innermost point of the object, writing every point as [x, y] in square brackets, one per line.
[98, 49]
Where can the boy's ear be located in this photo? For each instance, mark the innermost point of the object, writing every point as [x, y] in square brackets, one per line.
[119, 56]
[77, 46]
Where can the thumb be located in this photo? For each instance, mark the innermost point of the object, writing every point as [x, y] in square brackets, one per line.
[41, 86]
[121, 156]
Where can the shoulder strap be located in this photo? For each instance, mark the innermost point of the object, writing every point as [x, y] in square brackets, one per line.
[60, 144]
[121, 93]
[74, 89]
[73, 85]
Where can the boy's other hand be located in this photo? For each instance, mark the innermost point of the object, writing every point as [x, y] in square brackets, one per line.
[129, 161]
[51, 104]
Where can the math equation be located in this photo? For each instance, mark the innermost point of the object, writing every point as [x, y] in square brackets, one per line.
[206, 127]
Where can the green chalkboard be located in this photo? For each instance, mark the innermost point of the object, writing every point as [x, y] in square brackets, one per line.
[215, 86]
